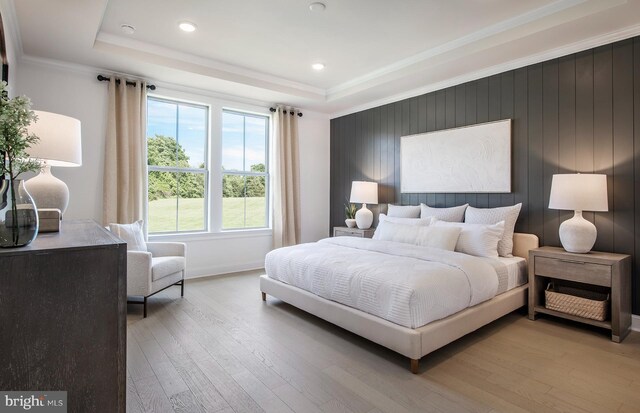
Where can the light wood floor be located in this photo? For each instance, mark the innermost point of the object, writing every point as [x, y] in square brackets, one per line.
[221, 349]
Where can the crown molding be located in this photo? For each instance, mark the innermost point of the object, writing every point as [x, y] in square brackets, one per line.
[223, 70]
[93, 71]
[575, 47]
[474, 37]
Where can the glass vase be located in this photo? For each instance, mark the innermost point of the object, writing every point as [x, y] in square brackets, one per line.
[18, 215]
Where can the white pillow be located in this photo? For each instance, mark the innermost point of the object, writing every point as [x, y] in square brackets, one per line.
[132, 234]
[508, 214]
[407, 221]
[476, 239]
[444, 238]
[452, 214]
[404, 211]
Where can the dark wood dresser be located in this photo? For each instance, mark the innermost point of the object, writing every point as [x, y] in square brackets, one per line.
[63, 317]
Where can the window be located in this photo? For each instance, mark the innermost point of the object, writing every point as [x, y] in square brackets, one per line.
[245, 177]
[177, 138]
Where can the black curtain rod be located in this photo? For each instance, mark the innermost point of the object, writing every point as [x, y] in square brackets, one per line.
[291, 112]
[130, 83]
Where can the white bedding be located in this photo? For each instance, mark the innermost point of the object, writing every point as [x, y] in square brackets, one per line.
[516, 271]
[406, 284]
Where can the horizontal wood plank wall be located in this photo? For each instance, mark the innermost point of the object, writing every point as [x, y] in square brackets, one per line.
[578, 113]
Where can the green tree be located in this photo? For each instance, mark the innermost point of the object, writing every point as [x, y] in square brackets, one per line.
[166, 151]
[233, 186]
[256, 184]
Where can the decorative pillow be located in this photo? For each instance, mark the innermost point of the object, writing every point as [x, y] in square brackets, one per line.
[132, 234]
[407, 221]
[404, 211]
[476, 239]
[508, 214]
[435, 237]
[452, 214]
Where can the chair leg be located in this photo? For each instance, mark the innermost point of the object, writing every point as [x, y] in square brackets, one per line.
[264, 296]
[182, 288]
[144, 310]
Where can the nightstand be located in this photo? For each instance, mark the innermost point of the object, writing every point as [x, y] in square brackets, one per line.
[599, 270]
[353, 232]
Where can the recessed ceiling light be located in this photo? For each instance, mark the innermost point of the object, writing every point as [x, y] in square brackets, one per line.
[318, 66]
[127, 29]
[187, 27]
[317, 7]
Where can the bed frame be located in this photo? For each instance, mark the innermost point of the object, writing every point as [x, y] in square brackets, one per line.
[412, 343]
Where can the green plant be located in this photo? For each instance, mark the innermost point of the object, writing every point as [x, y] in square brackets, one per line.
[15, 140]
[349, 210]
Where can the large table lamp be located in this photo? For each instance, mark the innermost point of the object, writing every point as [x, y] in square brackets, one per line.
[578, 192]
[59, 145]
[364, 193]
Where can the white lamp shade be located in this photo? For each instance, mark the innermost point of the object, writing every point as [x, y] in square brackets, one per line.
[60, 141]
[579, 192]
[364, 192]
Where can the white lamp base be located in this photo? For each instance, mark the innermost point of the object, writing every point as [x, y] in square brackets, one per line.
[364, 217]
[577, 234]
[48, 191]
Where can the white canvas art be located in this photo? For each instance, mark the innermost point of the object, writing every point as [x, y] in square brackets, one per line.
[470, 159]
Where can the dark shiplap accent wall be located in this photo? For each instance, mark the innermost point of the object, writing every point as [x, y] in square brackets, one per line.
[576, 113]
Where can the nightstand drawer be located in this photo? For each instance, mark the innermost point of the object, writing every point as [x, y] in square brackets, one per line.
[343, 232]
[567, 269]
[353, 232]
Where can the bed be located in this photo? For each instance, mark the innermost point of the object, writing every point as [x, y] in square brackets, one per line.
[404, 313]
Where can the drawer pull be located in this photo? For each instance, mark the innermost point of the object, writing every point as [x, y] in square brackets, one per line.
[573, 262]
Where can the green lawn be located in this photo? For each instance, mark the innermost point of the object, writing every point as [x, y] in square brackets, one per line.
[162, 214]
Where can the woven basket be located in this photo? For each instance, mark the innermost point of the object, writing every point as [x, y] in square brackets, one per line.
[578, 302]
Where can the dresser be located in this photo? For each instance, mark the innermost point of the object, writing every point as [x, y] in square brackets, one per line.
[63, 317]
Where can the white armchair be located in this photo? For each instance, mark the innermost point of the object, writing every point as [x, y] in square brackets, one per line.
[149, 272]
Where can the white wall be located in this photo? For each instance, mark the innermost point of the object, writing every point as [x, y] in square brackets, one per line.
[74, 91]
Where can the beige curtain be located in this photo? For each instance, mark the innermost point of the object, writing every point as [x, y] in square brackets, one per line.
[286, 181]
[125, 171]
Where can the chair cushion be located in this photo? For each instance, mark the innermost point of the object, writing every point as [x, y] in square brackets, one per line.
[132, 234]
[163, 266]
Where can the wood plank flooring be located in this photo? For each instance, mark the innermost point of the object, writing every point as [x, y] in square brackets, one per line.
[221, 349]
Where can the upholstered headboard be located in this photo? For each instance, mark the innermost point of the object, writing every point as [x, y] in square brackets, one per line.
[522, 243]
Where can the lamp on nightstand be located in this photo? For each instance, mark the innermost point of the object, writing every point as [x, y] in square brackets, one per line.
[365, 193]
[578, 192]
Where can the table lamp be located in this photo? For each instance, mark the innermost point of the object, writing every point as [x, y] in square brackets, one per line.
[59, 145]
[578, 192]
[365, 193]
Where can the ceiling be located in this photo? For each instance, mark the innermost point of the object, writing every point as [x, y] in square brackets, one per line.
[375, 51]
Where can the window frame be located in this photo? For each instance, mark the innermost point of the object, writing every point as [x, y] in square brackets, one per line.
[216, 104]
[245, 173]
[206, 171]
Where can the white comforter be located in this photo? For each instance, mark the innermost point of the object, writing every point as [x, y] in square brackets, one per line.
[402, 283]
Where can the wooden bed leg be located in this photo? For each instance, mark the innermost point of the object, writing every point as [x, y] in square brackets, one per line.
[415, 366]
[264, 296]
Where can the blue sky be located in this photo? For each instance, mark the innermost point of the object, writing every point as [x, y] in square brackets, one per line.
[192, 133]
[234, 127]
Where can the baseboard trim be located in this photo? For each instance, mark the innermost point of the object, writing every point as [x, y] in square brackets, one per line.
[635, 322]
[223, 269]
